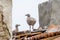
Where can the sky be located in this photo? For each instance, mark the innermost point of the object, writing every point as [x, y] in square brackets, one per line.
[23, 7]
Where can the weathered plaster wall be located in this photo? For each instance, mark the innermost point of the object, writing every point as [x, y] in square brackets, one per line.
[55, 12]
[7, 12]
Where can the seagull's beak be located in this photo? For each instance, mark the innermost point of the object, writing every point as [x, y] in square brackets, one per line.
[25, 15]
[19, 25]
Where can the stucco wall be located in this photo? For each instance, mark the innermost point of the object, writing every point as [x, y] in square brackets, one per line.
[55, 12]
[7, 12]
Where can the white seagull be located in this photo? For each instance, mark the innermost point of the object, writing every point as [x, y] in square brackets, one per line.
[31, 21]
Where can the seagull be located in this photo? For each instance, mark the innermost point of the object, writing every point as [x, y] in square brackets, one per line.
[30, 21]
[17, 27]
[16, 30]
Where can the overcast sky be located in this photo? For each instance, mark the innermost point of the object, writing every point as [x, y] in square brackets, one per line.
[22, 7]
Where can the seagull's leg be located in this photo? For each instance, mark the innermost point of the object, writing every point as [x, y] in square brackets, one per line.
[30, 28]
